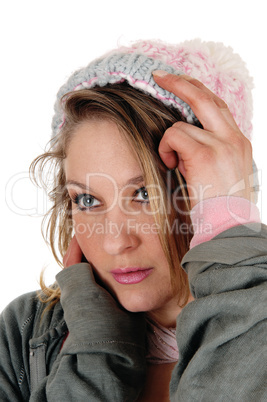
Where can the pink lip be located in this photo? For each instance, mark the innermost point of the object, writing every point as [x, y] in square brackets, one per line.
[129, 276]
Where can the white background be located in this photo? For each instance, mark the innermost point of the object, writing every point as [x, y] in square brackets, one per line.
[42, 43]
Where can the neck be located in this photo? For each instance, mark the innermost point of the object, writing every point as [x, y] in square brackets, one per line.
[167, 315]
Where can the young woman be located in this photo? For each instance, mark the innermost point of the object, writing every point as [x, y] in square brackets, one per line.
[163, 292]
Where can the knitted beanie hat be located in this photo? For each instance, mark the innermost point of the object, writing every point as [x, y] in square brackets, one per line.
[214, 64]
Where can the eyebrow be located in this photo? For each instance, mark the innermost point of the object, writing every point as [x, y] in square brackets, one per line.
[133, 180]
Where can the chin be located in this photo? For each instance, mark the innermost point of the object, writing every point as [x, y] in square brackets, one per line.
[136, 302]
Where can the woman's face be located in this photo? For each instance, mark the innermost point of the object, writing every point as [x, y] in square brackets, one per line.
[112, 218]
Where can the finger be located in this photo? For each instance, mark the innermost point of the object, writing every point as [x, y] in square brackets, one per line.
[180, 139]
[198, 84]
[211, 111]
[73, 254]
[218, 101]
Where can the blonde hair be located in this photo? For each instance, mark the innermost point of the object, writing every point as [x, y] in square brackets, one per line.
[143, 121]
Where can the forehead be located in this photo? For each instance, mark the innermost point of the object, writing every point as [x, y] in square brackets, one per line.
[98, 146]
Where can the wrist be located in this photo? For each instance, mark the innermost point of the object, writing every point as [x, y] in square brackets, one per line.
[215, 215]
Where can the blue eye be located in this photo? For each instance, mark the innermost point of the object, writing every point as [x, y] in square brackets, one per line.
[141, 195]
[85, 201]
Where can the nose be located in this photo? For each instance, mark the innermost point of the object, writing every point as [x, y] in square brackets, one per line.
[120, 234]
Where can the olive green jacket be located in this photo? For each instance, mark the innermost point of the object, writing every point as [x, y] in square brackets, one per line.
[221, 335]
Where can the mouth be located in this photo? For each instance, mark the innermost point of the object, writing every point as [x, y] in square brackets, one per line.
[131, 275]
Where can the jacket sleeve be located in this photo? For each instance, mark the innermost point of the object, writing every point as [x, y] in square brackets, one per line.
[16, 323]
[103, 357]
[221, 335]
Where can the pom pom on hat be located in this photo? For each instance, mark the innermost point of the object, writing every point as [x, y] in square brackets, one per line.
[214, 64]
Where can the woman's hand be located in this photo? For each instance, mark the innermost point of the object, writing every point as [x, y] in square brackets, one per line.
[216, 160]
[73, 254]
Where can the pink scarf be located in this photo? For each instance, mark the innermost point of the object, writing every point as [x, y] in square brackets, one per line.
[161, 343]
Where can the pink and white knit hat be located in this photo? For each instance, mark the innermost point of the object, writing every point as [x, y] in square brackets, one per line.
[214, 64]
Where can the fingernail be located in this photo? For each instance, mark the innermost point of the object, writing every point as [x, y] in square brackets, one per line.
[186, 77]
[160, 73]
